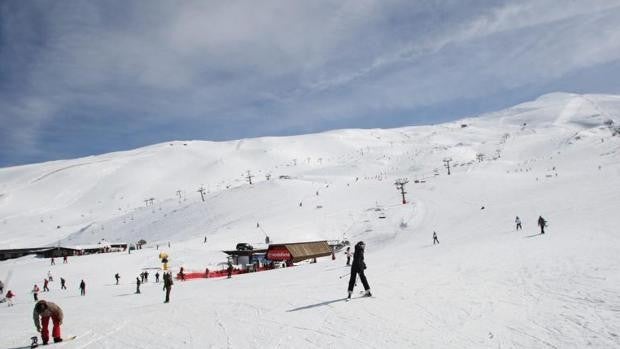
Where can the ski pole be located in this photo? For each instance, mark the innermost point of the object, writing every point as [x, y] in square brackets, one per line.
[341, 276]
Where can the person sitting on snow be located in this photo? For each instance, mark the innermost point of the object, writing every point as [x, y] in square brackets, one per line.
[47, 310]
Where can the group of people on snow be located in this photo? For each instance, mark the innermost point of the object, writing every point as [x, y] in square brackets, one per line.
[542, 223]
[45, 310]
[64, 260]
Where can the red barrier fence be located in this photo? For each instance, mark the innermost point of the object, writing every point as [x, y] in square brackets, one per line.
[216, 273]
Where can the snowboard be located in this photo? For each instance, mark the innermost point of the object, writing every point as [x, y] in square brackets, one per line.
[36, 344]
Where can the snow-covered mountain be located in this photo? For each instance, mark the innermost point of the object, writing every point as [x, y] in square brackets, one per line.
[485, 285]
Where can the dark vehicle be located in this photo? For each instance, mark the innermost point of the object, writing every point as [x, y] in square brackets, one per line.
[244, 246]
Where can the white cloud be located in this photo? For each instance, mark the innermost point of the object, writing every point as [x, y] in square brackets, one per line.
[295, 63]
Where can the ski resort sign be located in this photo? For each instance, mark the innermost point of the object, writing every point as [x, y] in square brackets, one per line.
[279, 253]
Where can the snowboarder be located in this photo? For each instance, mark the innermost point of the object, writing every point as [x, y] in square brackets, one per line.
[35, 292]
[82, 288]
[9, 298]
[47, 310]
[435, 240]
[348, 254]
[358, 267]
[45, 288]
[518, 222]
[117, 277]
[157, 277]
[63, 285]
[168, 286]
[542, 223]
[52, 261]
[137, 285]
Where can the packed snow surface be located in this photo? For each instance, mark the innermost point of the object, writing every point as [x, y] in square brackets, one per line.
[484, 285]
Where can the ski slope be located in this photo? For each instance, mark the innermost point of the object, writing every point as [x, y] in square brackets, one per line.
[484, 286]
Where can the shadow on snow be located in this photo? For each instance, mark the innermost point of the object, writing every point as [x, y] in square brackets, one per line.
[317, 304]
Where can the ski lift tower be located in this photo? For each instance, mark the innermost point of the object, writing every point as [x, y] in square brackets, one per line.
[446, 163]
[400, 185]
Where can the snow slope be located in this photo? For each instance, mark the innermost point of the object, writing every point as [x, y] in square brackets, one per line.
[485, 285]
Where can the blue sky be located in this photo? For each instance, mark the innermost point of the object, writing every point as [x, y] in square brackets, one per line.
[80, 78]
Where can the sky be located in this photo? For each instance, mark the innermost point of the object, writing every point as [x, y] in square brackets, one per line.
[80, 78]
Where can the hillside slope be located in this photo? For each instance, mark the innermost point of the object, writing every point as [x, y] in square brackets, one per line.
[484, 285]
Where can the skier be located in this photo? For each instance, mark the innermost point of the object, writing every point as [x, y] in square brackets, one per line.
[348, 254]
[45, 288]
[49, 276]
[137, 285]
[146, 276]
[1, 287]
[542, 223]
[205, 240]
[207, 273]
[518, 221]
[82, 288]
[35, 292]
[47, 310]
[117, 277]
[157, 277]
[229, 269]
[358, 267]
[64, 259]
[63, 285]
[435, 240]
[52, 261]
[168, 286]
[181, 274]
[9, 298]
[267, 239]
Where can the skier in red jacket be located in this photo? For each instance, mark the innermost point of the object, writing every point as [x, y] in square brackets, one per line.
[9, 298]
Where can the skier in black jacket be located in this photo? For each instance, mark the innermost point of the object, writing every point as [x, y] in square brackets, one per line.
[542, 223]
[357, 267]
